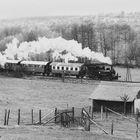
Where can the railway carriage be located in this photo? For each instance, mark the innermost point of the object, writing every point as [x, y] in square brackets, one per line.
[34, 67]
[11, 65]
[71, 69]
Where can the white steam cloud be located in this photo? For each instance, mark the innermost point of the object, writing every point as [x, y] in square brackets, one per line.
[59, 47]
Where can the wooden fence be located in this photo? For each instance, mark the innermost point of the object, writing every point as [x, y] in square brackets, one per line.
[107, 113]
[70, 117]
[65, 117]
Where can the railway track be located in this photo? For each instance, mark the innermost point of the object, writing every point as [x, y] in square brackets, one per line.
[67, 79]
[75, 80]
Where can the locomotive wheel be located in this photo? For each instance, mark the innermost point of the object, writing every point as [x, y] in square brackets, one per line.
[77, 76]
[57, 75]
[108, 78]
[82, 77]
[94, 77]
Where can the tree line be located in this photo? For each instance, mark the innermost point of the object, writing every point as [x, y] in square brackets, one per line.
[118, 41]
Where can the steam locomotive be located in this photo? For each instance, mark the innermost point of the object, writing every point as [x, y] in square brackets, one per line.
[96, 71]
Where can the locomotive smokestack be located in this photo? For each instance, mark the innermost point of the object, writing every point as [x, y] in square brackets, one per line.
[55, 48]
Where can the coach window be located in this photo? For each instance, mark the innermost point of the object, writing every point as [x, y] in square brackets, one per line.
[107, 68]
[67, 68]
[58, 68]
[71, 68]
[54, 67]
[62, 68]
[76, 69]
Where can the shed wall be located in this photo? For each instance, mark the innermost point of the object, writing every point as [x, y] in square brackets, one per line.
[117, 106]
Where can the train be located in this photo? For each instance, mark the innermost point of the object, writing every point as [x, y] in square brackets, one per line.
[95, 71]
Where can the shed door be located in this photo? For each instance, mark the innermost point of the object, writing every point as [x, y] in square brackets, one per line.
[136, 105]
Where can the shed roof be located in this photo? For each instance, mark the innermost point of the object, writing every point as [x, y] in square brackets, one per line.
[113, 91]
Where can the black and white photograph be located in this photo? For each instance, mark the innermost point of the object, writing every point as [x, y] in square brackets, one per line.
[69, 69]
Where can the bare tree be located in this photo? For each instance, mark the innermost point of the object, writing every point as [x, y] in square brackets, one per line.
[125, 98]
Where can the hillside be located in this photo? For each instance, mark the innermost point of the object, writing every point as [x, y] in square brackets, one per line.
[115, 35]
[132, 19]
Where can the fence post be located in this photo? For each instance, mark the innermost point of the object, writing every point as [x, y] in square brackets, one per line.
[63, 76]
[92, 109]
[81, 80]
[32, 116]
[73, 114]
[8, 116]
[137, 129]
[55, 113]
[106, 112]
[88, 124]
[89, 109]
[82, 117]
[5, 116]
[137, 113]
[101, 112]
[40, 116]
[18, 116]
[112, 127]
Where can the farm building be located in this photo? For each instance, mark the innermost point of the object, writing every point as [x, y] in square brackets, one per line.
[111, 95]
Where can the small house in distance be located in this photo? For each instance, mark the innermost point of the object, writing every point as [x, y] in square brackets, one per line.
[111, 94]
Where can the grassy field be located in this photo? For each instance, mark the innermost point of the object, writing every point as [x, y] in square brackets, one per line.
[47, 94]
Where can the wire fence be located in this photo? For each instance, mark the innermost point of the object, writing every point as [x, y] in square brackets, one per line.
[105, 122]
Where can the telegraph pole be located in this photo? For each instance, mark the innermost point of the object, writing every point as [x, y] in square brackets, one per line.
[128, 73]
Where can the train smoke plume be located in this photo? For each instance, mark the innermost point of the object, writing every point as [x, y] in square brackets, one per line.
[59, 48]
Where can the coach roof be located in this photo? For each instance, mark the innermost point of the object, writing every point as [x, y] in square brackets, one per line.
[34, 62]
[12, 61]
[66, 64]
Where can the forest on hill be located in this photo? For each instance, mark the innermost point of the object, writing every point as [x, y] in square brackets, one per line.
[115, 35]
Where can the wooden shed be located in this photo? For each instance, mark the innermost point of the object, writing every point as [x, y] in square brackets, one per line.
[110, 94]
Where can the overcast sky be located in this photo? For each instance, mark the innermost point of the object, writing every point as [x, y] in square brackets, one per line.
[31, 8]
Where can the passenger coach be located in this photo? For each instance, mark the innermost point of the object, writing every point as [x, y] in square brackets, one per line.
[34, 66]
[71, 69]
